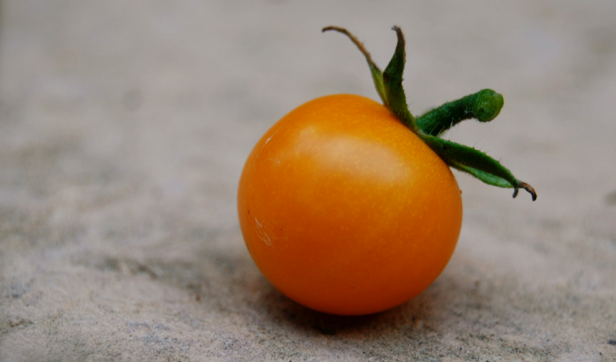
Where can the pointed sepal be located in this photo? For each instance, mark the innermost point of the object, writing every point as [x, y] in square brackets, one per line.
[394, 91]
[377, 74]
[476, 163]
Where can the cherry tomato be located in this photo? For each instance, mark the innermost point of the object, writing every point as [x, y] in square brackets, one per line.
[345, 210]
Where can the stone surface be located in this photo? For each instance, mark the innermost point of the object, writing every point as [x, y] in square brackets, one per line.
[124, 127]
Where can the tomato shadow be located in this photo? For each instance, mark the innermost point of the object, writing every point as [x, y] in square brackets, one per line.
[227, 285]
[228, 289]
[289, 314]
[413, 316]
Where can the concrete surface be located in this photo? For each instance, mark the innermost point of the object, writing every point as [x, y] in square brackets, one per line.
[124, 126]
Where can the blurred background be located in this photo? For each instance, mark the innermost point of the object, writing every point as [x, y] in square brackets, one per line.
[124, 126]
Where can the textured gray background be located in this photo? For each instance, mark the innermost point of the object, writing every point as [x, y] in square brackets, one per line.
[124, 126]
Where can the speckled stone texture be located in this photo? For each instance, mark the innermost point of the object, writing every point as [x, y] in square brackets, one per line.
[124, 126]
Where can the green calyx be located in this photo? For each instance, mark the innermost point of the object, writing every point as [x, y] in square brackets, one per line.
[484, 106]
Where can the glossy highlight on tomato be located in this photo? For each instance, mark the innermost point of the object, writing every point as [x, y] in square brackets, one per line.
[345, 210]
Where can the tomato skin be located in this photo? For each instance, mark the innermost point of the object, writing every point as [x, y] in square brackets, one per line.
[345, 210]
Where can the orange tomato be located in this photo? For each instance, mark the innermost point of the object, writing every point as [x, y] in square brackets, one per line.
[345, 210]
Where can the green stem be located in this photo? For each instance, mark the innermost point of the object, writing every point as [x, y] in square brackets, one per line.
[484, 105]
